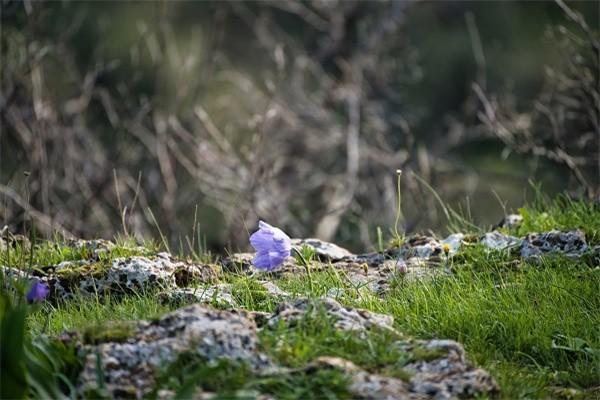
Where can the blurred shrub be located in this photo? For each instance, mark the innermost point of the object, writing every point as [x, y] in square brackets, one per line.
[224, 113]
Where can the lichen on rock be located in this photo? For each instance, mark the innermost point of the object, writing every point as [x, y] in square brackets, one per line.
[444, 372]
[129, 366]
[343, 318]
[570, 244]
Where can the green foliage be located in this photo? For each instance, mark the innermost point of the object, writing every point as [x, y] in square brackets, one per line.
[37, 367]
[305, 255]
[319, 384]
[44, 254]
[534, 326]
[13, 382]
[315, 336]
[252, 295]
[562, 213]
[190, 372]
[517, 317]
[117, 331]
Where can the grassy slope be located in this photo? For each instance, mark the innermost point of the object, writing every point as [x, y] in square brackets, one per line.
[535, 327]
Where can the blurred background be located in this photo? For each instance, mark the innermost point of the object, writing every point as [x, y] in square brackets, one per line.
[203, 117]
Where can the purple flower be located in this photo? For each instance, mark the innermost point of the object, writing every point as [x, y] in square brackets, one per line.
[401, 266]
[38, 292]
[272, 246]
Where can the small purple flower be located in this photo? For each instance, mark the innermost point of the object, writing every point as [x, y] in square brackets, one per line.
[38, 292]
[401, 266]
[272, 246]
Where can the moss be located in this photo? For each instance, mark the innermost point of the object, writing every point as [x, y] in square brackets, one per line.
[319, 384]
[190, 372]
[399, 373]
[117, 332]
[249, 291]
[420, 353]
[70, 276]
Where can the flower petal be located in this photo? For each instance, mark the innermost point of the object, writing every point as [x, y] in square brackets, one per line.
[261, 240]
[262, 261]
[262, 225]
[276, 259]
[38, 292]
[273, 246]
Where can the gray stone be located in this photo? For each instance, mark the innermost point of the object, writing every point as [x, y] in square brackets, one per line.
[129, 366]
[220, 294]
[94, 247]
[365, 385]
[498, 241]
[324, 250]
[238, 262]
[423, 247]
[511, 221]
[274, 290]
[454, 242]
[571, 244]
[343, 318]
[445, 373]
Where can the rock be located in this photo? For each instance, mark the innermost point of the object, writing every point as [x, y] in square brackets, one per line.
[274, 290]
[123, 275]
[374, 259]
[134, 274]
[454, 242]
[364, 385]
[343, 318]
[511, 221]
[361, 276]
[12, 274]
[93, 247]
[220, 294]
[129, 365]
[238, 262]
[443, 373]
[440, 370]
[571, 244]
[417, 269]
[324, 250]
[423, 247]
[335, 292]
[498, 241]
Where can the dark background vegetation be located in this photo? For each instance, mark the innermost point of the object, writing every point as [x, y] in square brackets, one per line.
[124, 116]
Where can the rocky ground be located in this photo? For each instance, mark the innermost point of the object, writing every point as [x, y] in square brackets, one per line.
[211, 320]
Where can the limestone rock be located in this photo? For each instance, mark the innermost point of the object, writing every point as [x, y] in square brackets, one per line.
[571, 244]
[274, 290]
[220, 294]
[238, 262]
[129, 366]
[94, 247]
[423, 247]
[511, 221]
[344, 318]
[138, 273]
[454, 242]
[498, 241]
[441, 371]
[324, 250]
[124, 275]
[365, 385]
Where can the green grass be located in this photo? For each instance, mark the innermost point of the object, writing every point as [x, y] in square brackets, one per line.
[42, 254]
[562, 213]
[534, 326]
